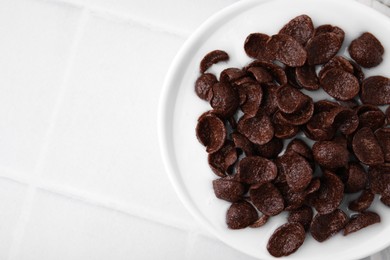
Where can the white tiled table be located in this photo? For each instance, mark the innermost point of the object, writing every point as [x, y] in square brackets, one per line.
[80, 172]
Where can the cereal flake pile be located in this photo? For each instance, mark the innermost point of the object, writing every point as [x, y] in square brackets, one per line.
[258, 109]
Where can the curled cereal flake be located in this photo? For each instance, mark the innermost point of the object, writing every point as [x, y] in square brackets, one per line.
[306, 77]
[318, 128]
[383, 137]
[290, 100]
[300, 147]
[204, 84]
[284, 131]
[260, 222]
[363, 202]
[300, 117]
[255, 46]
[357, 71]
[225, 100]
[372, 119]
[300, 28]
[212, 58]
[292, 200]
[379, 178]
[366, 50]
[325, 106]
[327, 225]
[376, 91]
[277, 72]
[330, 154]
[360, 221]
[240, 215]
[252, 94]
[256, 170]
[211, 132]
[286, 239]
[228, 190]
[314, 186]
[303, 215]
[321, 48]
[221, 160]
[347, 121]
[243, 81]
[269, 105]
[366, 147]
[258, 129]
[287, 50]
[337, 62]
[357, 178]
[291, 77]
[267, 199]
[260, 74]
[241, 142]
[271, 149]
[340, 84]
[297, 170]
[386, 200]
[330, 194]
[231, 75]
[327, 28]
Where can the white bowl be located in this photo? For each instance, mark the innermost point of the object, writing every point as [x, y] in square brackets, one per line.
[186, 160]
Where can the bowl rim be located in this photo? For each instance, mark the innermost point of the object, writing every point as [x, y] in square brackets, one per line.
[165, 109]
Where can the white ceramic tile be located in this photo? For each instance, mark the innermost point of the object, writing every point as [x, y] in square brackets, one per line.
[381, 7]
[203, 247]
[33, 51]
[12, 195]
[105, 140]
[180, 15]
[62, 228]
[366, 2]
[383, 255]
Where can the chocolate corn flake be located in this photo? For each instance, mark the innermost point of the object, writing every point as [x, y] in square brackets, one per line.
[204, 84]
[287, 50]
[330, 154]
[366, 50]
[383, 137]
[256, 170]
[225, 100]
[212, 58]
[255, 46]
[340, 84]
[326, 225]
[228, 190]
[221, 160]
[357, 178]
[376, 91]
[367, 148]
[363, 202]
[303, 215]
[267, 199]
[360, 221]
[330, 193]
[286, 239]
[323, 47]
[240, 215]
[306, 77]
[301, 28]
[211, 132]
[257, 129]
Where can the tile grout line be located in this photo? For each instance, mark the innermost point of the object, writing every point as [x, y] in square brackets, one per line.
[32, 188]
[114, 205]
[106, 13]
